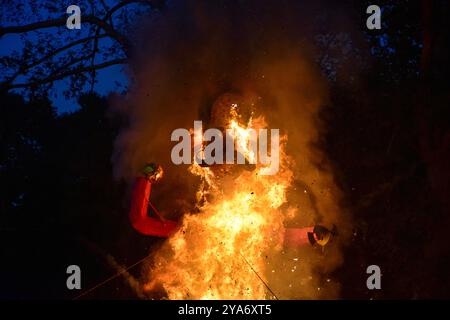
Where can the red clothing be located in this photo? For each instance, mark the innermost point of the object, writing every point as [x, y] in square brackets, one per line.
[295, 237]
[139, 218]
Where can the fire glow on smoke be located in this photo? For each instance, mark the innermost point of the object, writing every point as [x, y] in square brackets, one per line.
[237, 213]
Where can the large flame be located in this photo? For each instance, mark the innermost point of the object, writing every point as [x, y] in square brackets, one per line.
[220, 252]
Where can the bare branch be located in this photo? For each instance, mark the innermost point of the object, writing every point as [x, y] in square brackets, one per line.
[33, 26]
[79, 70]
[106, 10]
[71, 63]
[25, 68]
[62, 22]
[94, 53]
[127, 2]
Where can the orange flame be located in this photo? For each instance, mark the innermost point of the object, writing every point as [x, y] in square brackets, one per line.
[216, 252]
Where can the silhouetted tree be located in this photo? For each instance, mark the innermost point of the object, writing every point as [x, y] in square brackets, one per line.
[50, 52]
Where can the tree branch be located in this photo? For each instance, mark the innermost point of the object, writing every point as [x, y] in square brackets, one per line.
[59, 22]
[106, 10]
[71, 63]
[94, 52]
[23, 69]
[81, 69]
[127, 2]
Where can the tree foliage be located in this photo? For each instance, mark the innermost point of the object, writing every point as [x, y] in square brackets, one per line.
[50, 52]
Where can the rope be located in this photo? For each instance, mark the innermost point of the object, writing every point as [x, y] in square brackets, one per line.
[267, 286]
[111, 278]
[148, 256]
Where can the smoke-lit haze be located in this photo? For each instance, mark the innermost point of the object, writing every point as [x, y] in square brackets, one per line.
[197, 51]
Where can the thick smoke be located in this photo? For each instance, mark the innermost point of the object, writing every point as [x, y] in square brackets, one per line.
[195, 51]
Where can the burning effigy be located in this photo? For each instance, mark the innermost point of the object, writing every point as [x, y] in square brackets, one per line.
[238, 218]
[257, 222]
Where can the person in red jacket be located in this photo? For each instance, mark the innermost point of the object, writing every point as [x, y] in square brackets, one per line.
[159, 227]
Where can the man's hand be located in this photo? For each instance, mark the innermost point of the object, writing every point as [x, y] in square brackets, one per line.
[153, 172]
